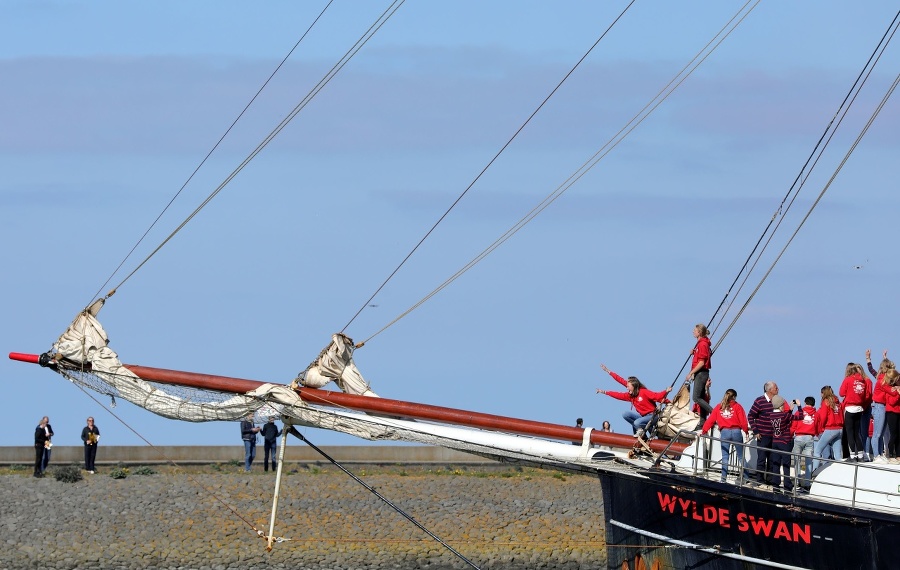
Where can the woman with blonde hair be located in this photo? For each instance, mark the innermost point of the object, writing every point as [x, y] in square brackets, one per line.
[856, 390]
[892, 415]
[880, 434]
[829, 426]
[732, 422]
[701, 362]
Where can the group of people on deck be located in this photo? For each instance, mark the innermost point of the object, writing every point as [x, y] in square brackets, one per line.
[859, 423]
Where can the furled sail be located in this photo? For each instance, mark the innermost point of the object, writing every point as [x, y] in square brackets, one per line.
[84, 348]
[335, 363]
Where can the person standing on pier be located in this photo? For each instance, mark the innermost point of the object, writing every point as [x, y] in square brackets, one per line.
[40, 440]
[248, 435]
[90, 436]
[270, 433]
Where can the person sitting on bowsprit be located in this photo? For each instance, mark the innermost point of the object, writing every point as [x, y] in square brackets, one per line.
[643, 401]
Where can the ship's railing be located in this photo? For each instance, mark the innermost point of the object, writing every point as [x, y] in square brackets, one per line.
[857, 483]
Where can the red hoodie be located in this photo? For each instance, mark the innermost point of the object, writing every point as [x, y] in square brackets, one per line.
[829, 417]
[645, 401]
[702, 352]
[880, 390]
[733, 418]
[892, 399]
[804, 421]
[856, 391]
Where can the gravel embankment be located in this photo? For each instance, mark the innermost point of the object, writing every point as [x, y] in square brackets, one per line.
[180, 520]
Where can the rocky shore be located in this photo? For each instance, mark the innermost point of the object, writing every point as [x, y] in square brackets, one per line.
[204, 518]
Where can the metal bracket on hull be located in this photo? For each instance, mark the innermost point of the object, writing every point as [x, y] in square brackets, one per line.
[711, 550]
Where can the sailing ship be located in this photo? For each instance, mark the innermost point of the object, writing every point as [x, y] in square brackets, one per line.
[663, 505]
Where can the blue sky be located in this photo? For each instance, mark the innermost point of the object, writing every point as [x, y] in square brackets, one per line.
[107, 107]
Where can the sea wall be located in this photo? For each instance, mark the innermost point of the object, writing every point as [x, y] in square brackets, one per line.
[208, 518]
[204, 454]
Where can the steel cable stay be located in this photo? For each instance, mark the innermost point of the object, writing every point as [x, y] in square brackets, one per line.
[793, 191]
[211, 151]
[366, 36]
[837, 170]
[604, 150]
[813, 159]
[160, 452]
[486, 167]
[382, 498]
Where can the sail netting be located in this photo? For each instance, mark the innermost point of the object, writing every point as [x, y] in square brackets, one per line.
[83, 356]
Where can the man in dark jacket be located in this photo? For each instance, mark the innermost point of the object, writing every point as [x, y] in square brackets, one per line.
[248, 435]
[270, 433]
[40, 440]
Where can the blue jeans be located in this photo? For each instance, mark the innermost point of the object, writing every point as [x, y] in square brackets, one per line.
[731, 437]
[803, 445]
[828, 447]
[878, 431]
[636, 420]
[45, 460]
[249, 454]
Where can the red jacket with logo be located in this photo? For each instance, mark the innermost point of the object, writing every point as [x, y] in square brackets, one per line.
[732, 418]
[804, 421]
[856, 391]
[829, 417]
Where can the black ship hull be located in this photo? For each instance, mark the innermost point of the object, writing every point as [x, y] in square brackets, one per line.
[680, 521]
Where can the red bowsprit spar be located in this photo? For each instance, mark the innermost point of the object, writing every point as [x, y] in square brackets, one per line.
[387, 406]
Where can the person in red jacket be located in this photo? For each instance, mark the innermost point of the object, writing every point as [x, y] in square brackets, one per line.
[803, 428]
[880, 433]
[892, 415]
[643, 401]
[701, 363]
[856, 390]
[733, 427]
[829, 426]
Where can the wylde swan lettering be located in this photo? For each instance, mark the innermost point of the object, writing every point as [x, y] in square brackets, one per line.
[771, 528]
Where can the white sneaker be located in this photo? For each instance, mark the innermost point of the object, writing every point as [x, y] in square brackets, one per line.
[894, 460]
[880, 459]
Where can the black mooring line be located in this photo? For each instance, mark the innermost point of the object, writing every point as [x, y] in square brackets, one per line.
[293, 431]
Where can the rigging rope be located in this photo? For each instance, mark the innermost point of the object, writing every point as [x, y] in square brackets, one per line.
[367, 35]
[164, 457]
[604, 150]
[811, 162]
[212, 150]
[384, 499]
[837, 170]
[483, 170]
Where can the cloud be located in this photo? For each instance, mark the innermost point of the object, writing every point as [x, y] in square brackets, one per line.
[393, 99]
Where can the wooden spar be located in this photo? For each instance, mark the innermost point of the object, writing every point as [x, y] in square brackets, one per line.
[388, 406]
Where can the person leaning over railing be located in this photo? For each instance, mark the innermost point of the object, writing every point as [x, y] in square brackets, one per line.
[732, 422]
[643, 401]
